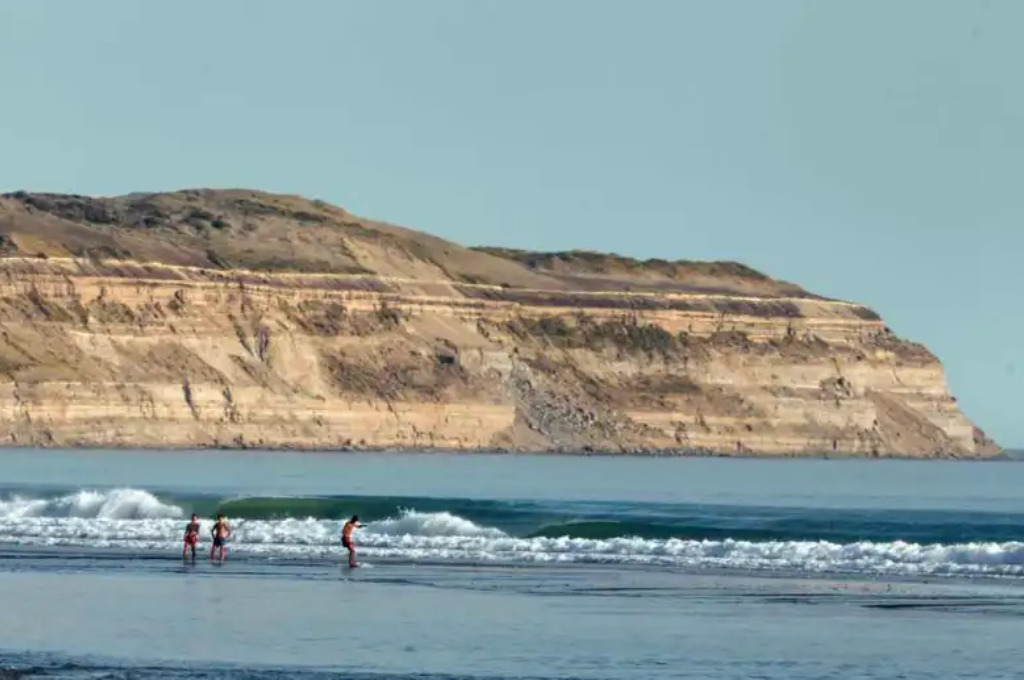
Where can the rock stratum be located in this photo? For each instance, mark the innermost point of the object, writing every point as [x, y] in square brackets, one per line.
[238, 318]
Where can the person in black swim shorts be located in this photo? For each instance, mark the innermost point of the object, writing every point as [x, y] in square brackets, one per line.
[221, 531]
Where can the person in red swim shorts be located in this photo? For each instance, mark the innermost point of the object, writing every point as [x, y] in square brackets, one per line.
[191, 537]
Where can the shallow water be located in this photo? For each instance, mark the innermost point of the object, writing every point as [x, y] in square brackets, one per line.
[507, 566]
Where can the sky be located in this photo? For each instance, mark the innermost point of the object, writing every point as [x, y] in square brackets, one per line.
[869, 150]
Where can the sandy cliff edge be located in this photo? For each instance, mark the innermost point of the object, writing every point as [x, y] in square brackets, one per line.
[244, 319]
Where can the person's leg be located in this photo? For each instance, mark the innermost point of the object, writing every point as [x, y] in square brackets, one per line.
[351, 555]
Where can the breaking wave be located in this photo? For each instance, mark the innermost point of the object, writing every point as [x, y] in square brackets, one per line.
[498, 532]
[114, 504]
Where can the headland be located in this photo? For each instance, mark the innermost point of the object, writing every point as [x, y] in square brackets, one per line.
[237, 318]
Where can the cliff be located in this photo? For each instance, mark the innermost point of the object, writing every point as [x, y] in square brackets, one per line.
[238, 318]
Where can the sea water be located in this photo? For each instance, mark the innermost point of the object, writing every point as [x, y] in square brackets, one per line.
[478, 566]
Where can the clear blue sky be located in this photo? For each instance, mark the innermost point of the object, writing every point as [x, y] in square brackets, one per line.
[867, 149]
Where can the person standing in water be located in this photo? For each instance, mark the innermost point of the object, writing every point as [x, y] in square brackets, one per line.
[191, 537]
[221, 530]
[346, 539]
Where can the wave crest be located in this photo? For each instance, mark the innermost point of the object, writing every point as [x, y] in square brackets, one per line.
[413, 523]
[89, 504]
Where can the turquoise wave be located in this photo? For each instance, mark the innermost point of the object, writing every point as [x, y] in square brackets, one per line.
[537, 519]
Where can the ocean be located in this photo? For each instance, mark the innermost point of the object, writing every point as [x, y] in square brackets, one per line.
[477, 566]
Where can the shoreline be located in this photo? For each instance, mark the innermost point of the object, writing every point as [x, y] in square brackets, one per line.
[856, 583]
[1005, 455]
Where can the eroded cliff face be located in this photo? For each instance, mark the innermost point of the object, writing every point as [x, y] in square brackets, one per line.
[126, 324]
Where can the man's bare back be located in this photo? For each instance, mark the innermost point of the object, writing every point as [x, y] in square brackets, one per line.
[346, 539]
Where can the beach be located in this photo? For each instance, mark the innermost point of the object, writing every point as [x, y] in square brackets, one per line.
[509, 567]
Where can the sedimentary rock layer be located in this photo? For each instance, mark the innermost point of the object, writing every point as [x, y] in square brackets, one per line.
[220, 318]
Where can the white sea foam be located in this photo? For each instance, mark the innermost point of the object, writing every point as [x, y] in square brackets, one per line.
[113, 504]
[415, 523]
[136, 520]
